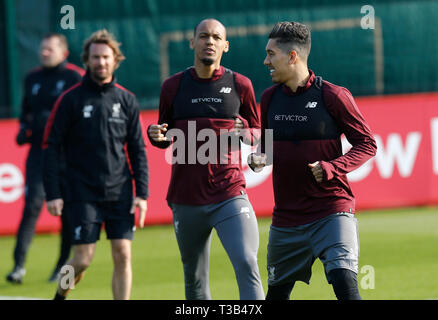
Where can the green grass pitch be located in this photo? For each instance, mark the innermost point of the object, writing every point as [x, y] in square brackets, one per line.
[399, 245]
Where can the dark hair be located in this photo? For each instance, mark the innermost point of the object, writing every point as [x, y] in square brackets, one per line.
[292, 36]
[61, 37]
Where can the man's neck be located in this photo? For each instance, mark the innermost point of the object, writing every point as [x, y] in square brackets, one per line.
[52, 67]
[101, 82]
[205, 71]
[300, 78]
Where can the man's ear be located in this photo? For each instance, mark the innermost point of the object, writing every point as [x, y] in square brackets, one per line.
[293, 57]
[227, 47]
[192, 43]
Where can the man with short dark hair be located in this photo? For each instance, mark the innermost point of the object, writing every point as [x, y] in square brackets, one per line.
[42, 87]
[314, 206]
[207, 194]
[97, 125]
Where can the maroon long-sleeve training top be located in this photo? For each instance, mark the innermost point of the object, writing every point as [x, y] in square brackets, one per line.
[214, 104]
[307, 127]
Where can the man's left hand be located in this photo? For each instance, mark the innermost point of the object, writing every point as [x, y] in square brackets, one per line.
[238, 125]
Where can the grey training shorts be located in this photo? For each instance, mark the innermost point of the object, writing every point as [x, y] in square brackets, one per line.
[293, 250]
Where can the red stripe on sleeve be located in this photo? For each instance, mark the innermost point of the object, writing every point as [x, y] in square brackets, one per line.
[73, 67]
[123, 88]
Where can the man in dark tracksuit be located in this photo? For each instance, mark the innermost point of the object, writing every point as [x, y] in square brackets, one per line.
[210, 194]
[42, 87]
[314, 206]
[97, 125]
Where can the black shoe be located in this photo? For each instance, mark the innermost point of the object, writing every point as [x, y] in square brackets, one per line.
[16, 275]
[55, 276]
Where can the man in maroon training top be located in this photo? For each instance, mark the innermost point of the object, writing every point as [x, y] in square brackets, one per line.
[203, 195]
[314, 206]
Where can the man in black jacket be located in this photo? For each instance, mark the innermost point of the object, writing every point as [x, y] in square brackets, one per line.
[42, 87]
[93, 122]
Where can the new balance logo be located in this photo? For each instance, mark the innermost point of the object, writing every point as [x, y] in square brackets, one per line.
[311, 105]
[244, 210]
[225, 90]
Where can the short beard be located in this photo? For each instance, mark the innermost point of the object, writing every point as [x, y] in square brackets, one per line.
[99, 77]
[207, 61]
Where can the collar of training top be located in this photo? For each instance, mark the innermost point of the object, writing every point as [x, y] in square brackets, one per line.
[217, 74]
[88, 82]
[57, 68]
[300, 89]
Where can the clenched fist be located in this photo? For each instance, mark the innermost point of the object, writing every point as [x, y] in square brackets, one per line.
[157, 132]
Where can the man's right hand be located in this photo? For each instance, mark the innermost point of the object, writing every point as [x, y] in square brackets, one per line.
[157, 132]
[23, 136]
[55, 206]
[257, 161]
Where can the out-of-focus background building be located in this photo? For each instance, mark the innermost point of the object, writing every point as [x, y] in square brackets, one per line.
[398, 55]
